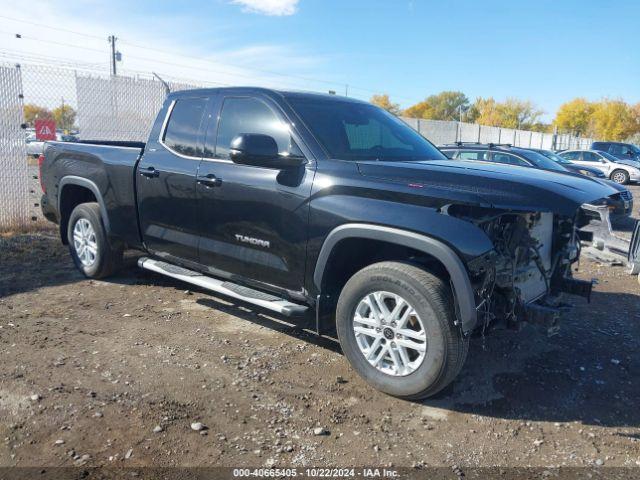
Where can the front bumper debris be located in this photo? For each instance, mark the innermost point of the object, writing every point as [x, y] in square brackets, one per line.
[602, 244]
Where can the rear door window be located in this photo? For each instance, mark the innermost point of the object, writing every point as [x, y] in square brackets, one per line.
[590, 157]
[450, 153]
[474, 155]
[575, 156]
[181, 133]
[509, 159]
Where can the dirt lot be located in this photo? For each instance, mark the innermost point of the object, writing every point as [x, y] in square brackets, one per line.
[115, 372]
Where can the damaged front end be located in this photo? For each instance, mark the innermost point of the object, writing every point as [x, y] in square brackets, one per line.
[523, 277]
[602, 244]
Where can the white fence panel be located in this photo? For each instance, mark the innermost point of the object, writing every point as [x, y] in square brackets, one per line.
[439, 131]
[489, 134]
[469, 132]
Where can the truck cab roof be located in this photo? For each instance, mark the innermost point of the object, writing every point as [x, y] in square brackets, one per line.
[263, 91]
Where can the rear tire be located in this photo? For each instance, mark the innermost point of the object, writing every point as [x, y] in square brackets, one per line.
[620, 176]
[410, 374]
[90, 249]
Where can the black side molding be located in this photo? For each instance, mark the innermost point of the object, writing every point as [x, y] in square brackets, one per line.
[84, 182]
[462, 288]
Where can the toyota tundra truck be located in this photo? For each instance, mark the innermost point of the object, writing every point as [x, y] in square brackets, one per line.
[332, 210]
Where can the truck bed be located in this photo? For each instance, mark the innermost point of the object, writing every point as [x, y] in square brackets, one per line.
[107, 169]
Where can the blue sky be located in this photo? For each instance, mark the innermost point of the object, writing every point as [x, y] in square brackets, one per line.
[544, 51]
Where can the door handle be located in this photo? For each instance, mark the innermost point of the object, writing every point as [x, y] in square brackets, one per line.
[209, 180]
[150, 172]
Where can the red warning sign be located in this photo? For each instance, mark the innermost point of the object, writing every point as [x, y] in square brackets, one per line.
[45, 129]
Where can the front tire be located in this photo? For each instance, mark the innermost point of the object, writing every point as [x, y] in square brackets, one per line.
[395, 323]
[620, 176]
[90, 249]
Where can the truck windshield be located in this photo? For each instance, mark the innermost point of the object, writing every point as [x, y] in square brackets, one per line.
[356, 131]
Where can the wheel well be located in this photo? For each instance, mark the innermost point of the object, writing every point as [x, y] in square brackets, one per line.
[619, 170]
[70, 197]
[353, 254]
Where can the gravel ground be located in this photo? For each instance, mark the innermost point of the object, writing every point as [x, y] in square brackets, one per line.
[121, 372]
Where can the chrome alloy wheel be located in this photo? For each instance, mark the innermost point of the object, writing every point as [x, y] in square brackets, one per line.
[390, 333]
[619, 177]
[84, 242]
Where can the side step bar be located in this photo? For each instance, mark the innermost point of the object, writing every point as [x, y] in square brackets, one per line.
[239, 292]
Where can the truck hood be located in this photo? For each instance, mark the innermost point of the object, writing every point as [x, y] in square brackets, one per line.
[492, 185]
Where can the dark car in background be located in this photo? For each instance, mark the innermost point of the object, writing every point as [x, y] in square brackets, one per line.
[620, 150]
[621, 204]
[500, 153]
[572, 167]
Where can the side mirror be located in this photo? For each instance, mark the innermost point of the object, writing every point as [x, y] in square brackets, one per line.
[261, 151]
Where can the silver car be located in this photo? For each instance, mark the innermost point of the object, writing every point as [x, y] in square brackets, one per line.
[620, 171]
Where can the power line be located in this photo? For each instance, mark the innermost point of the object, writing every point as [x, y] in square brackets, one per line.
[52, 42]
[202, 59]
[42, 25]
[270, 72]
[31, 57]
[145, 59]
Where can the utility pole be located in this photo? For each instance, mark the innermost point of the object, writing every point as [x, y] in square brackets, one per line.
[112, 41]
[63, 116]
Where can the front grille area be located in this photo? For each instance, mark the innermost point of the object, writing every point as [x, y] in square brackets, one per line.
[626, 195]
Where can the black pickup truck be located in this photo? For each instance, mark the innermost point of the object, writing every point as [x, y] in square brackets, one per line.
[328, 208]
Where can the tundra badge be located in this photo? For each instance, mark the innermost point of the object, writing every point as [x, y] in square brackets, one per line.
[253, 241]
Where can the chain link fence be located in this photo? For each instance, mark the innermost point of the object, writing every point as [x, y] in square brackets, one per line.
[14, 200]
[93, 105]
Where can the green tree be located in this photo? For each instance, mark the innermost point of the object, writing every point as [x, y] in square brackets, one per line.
[383, 101]
[442, 106]
[32, 111]
[575, 116]
[65, 117]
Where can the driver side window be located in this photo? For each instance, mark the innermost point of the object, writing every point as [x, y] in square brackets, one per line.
[571, 155]
[249, 115]
[590, 157]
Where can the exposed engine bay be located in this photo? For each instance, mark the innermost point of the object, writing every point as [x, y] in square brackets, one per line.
[522, 278]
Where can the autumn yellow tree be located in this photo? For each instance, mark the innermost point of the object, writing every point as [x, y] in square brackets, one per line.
[635, 118]
[575, 116]
[65, 116]
[32, 111]
[443, 106]
[485, 112]
[612, 120]
[515, 113]
[383, 101]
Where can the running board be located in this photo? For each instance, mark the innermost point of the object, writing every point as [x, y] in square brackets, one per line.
[239, 292]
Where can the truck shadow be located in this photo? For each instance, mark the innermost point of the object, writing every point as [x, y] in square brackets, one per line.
[587, 373]
[584, 374]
